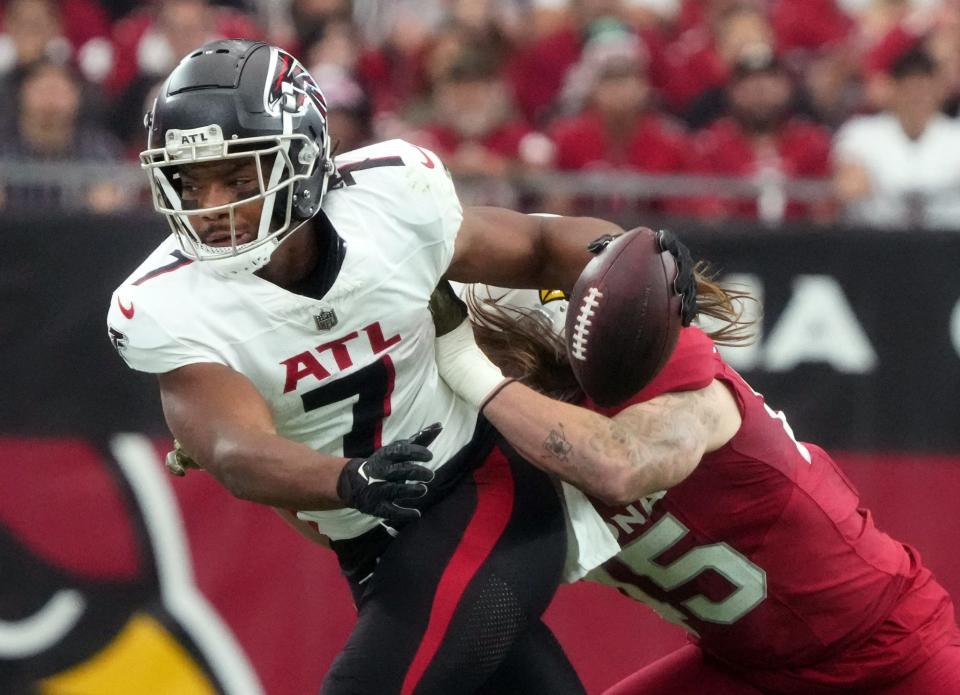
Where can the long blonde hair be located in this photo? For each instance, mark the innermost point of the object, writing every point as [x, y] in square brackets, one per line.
[525, 347]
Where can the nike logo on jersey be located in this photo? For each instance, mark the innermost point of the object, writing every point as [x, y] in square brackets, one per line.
[427, 162]
[126, 311]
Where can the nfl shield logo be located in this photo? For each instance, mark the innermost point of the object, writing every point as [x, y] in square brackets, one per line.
[325, 319]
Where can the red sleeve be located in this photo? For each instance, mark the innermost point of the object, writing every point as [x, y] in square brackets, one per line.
[807, 149]
[127, 33]
[505, 141]
[84, 20]
[692, 366]
[809, 24]
[537, 71]
[579, 142]
[882, 54]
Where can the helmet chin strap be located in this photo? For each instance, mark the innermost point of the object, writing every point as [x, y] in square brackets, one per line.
[243, 263]
[251, 261]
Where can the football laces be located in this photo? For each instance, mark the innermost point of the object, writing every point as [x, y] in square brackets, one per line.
[581, 331]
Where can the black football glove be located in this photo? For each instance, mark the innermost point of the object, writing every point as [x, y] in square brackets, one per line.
[383, 482]
[597, 246]
[685, 283]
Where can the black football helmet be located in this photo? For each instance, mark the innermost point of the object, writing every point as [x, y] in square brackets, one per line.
[234, 99]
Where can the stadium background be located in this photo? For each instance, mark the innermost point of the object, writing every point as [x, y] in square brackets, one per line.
[116, 578]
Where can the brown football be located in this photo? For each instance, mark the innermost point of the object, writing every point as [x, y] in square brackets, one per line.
[624, 317]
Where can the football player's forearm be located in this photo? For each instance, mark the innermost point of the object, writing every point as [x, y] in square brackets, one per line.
[644, 449]
[564, 248]
[509, 249]
[270, 469]
[583, 448]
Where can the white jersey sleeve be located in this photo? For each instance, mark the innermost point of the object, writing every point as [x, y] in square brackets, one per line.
[143, 318]
[144, 343]
[417, 186]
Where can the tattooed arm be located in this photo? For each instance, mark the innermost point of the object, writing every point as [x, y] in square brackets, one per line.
[645, 448]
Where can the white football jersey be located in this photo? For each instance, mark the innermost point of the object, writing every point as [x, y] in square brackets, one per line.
[344, 374]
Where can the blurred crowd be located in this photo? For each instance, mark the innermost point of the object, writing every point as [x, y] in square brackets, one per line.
[861, 96]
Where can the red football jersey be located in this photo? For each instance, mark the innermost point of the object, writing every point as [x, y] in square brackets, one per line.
[764, 554]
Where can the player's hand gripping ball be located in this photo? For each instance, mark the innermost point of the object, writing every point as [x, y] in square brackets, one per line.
[626, 311]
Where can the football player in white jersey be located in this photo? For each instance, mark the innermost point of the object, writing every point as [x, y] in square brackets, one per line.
[287, 318]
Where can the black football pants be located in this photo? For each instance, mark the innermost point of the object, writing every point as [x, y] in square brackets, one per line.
[453, 604]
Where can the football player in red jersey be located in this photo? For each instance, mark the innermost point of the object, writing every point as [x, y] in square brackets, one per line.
[752, 541]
